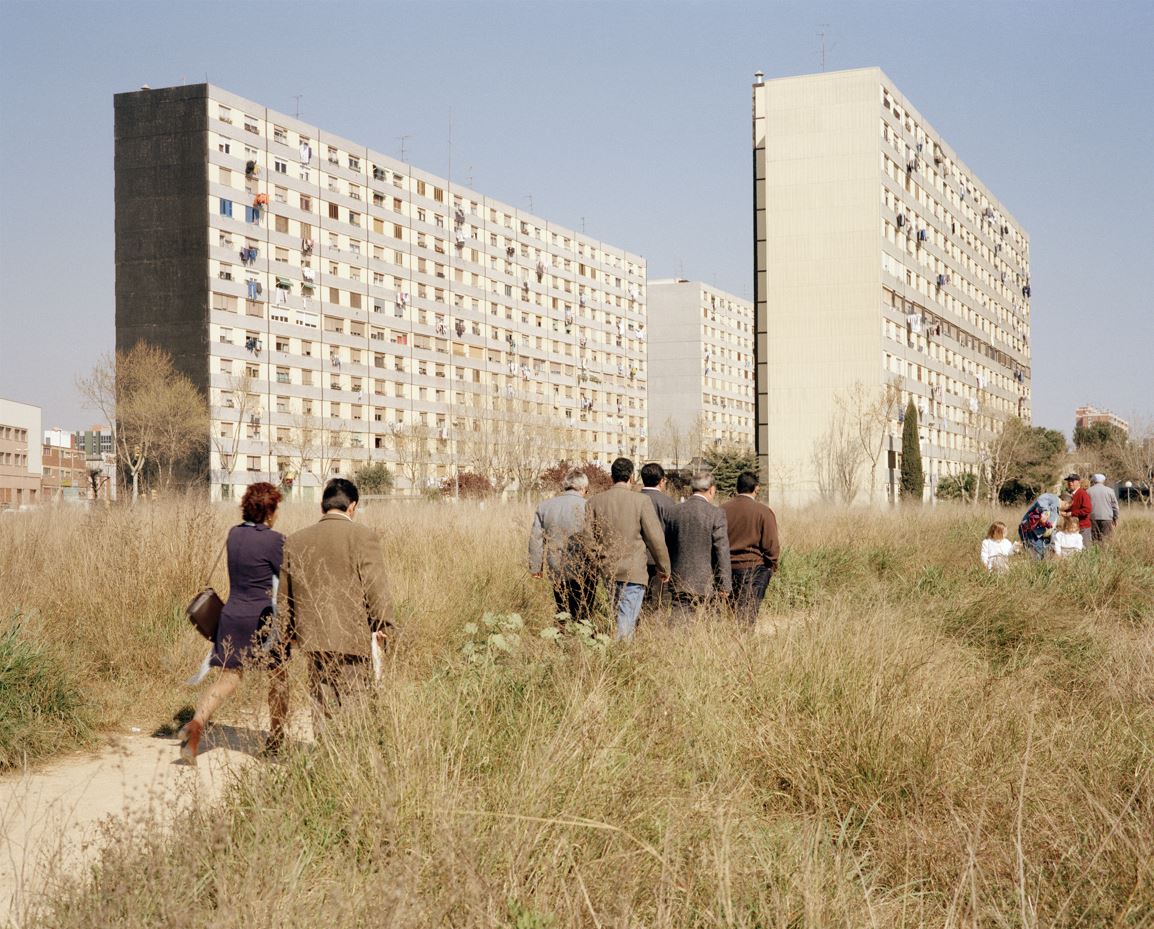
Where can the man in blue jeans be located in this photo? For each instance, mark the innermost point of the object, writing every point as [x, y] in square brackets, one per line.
[623, 526]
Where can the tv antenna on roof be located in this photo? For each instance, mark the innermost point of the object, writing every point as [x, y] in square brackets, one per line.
[403, 139]
[297, 111]
[821, 35]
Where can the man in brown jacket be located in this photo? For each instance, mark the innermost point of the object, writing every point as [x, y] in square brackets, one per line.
[333, 599]
[754, 548]
[624, 525]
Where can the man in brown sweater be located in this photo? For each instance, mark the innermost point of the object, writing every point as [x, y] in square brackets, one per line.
[754, 548]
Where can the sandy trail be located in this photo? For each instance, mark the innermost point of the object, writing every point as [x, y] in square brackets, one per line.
[50, 818]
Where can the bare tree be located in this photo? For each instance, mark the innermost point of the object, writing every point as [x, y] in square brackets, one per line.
[999, 449]
[870, 411]
[156, 414]
[668, 444]
[239, 398]
[412, 445]
[837, 458]
[312, 448]
[1136, 457]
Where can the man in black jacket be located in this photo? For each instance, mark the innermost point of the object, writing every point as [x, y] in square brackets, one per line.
[653, 486]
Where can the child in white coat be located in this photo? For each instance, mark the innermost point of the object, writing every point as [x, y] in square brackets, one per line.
[997, 549]
[1067, 538]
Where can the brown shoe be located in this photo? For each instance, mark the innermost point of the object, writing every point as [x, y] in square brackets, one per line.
[189, 736]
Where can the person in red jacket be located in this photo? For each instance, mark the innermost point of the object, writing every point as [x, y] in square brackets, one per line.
[1080, 506]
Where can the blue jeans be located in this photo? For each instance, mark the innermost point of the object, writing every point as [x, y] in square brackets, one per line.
[627, 601]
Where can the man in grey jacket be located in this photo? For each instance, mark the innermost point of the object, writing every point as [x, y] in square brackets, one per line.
[699, 549]
[557, 543]
[1103, 509]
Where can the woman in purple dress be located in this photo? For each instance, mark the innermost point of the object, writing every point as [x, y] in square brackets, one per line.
[255, 551]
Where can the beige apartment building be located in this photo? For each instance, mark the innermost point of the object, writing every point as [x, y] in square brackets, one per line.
[339, 306]
[701, 374]
[21, 467]
[884, 270]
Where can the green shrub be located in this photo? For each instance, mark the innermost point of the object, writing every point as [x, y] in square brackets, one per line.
[42, 709]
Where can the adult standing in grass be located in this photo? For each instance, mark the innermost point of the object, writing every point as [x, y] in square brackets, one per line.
[754, 546]
[334, 599]
[255, 551]
[699, 550]
[653, 487]
[1103, 509]
[1080, 506]
[557, 546]
[623, 525]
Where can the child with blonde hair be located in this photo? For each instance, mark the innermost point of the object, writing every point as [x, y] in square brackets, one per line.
[997, 549]
[1067, 538]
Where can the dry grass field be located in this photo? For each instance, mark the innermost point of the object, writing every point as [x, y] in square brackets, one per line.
[907, 741]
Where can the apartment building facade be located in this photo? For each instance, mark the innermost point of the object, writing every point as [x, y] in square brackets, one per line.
[701, 372]
[884, 270]
[65, 467]
[21, 467]
[1090, 415]
[338, 306]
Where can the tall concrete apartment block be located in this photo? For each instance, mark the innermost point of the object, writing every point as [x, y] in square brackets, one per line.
[701, 389]
[880, 259]
[339, 306]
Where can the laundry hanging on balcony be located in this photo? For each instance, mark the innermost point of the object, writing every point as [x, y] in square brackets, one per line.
[306, 153]
[254, 289]
[250, 169]
[249, 254]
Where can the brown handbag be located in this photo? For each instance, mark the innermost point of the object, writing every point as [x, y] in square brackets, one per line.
[204, 610]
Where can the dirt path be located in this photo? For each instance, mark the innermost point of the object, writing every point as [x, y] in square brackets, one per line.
[50, 819]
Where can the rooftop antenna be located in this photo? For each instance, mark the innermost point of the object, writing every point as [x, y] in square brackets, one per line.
[529, 197]
[583, 225]
[402, 139]
[469, 176]
[297, 111]
[823, 27]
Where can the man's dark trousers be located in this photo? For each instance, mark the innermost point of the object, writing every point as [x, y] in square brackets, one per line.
[749, 586]
[574, 595]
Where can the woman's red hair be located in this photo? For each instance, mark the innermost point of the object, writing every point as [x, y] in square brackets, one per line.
[259, 502]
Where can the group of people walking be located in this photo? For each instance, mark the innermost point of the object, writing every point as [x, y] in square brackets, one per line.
[322, 591]
[653, 554]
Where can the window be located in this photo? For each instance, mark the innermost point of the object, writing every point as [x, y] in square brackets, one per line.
[225, 207]
[334, 211]
[280, 134]
[280, 166]
[421, 188]
[354, 163]
[253, 462]
[224, 114]
[280, 194]
[224, 148]
[306, 203]
[281, 223]
[354, 218]
[250, 124]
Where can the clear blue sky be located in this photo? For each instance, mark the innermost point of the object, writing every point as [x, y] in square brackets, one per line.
[633, 115]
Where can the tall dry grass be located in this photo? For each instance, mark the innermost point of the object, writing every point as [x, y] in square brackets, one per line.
[916, 744]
